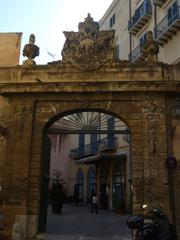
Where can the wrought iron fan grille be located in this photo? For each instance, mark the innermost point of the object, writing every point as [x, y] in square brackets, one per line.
[88, 121]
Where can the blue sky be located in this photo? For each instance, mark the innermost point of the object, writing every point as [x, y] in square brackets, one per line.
[47, 19]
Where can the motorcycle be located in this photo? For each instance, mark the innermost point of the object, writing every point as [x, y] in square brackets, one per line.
[154, 226]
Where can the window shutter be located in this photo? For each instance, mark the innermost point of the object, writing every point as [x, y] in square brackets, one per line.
[81, 143]
[169, 15]
[175, 10]
[111, 125]
[93, 143]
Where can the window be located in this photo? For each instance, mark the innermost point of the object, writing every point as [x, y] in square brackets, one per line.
[81, 143]
[112, 20]
[111, 125]
[79, 185]
[103, 195]
[93, 143]
[91, 183]
[117, 185]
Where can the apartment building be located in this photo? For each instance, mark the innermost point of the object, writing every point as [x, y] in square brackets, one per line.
[116, 17]
[134, 18]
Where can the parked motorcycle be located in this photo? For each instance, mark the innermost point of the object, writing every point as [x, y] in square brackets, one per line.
[154, 226]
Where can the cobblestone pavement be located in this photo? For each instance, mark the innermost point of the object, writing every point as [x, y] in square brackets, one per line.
[77, 223]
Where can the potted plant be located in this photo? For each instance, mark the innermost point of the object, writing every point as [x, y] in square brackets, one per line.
[120, 207]
[57, 192]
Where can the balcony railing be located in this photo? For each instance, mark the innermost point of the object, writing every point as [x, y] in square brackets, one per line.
[136, 54]
[160, 3]
[140, 18]
[108, 143]
[167, 27]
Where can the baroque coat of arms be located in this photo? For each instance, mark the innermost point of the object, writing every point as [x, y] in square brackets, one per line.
[89, 48]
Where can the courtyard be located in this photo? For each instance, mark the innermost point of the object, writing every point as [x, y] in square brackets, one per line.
[77, 223]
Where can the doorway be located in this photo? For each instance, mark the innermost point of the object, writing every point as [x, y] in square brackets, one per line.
[84, 146]
[118, 186]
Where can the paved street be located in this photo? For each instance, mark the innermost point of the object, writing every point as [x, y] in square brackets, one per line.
[77, 223]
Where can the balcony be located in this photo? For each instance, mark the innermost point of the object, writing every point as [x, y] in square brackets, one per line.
[87, 150]
[160, 3]
[107, 144]
[140, 18]
[93, 149]
[167, 27]
[136, 54]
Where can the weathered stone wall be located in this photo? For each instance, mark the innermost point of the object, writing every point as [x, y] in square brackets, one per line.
[135, 94]
[173, 126]
[3, 133]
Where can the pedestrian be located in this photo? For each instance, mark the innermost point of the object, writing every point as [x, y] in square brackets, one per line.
[94, 203]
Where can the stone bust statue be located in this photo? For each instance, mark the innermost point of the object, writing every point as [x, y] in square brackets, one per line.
[150, 49]
[30, 51]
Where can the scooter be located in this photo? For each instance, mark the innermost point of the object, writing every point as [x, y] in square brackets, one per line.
[154, 226]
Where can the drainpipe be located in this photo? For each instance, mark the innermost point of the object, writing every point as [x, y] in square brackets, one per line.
[130, 35]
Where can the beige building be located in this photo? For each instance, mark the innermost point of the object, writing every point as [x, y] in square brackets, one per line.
[10, 44]
[116, 17]
[134, 18]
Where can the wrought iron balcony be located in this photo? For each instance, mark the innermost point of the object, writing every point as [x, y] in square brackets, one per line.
[168, 27]
[108, 143]
[160, 3]
[140, 18]
[136, 54]
[87, 150]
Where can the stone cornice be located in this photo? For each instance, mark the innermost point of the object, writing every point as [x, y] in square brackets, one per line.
[116, 77]
[122, 71]
[98, 87]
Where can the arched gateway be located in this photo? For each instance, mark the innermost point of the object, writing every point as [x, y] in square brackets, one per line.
[142, 95]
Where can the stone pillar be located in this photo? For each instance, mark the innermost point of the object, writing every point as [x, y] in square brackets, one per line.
[156, 185]
[3, 137]
[16, 161]
[149, 153]
[176, 172]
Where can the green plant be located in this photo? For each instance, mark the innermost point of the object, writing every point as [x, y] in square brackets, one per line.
[121, 204]
[57, 191]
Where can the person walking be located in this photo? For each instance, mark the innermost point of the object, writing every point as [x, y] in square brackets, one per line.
[94, 203]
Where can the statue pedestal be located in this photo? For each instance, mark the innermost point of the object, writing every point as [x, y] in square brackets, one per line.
[29, 63]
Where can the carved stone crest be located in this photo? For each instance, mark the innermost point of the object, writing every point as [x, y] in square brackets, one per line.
[89, 48]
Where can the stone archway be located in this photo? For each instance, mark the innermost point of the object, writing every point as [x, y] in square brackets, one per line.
[27, 113]
[103, 134]
[135, 93]
[147, 154]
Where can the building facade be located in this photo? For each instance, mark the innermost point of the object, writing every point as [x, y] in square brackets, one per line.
[35, 97]
[148, 111]
[134, 18]
[10, 44]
